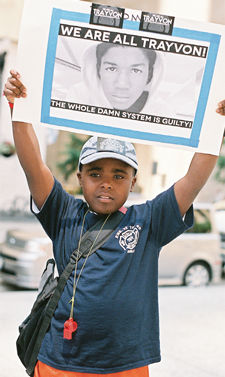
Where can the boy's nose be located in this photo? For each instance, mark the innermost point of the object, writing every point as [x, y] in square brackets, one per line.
[122, 80]
[106, 184]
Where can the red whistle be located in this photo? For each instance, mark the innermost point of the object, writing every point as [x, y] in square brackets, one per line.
[69, 327]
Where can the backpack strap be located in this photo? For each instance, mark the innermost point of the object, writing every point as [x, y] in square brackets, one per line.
[90, 236]
[86, 242]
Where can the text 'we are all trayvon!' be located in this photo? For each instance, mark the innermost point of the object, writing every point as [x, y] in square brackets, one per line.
[133, 40]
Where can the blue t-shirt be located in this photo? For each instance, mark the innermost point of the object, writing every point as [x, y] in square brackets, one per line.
[116, 301]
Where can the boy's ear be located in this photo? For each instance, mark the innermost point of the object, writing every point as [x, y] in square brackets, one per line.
[133, 183]
[79, 176]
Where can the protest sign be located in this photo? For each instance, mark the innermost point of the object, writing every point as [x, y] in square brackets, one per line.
[104, 70]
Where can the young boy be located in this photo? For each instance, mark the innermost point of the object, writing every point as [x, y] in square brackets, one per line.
[116, 301]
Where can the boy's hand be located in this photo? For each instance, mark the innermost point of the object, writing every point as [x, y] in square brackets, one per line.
[14, 88]
[221, 108]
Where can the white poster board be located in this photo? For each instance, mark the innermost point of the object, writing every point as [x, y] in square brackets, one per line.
[102, 70]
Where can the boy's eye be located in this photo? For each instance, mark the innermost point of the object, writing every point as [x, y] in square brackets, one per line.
[136, 70]
[117, 176]
[111, 69]
[95, 175]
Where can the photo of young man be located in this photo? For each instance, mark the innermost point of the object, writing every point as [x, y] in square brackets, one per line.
[121, 77]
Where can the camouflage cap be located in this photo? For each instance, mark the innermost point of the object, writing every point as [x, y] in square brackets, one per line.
[97, 148]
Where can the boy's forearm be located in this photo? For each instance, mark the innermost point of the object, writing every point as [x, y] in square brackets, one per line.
[188, 187]
[39, 177]
[27, 146]
[200, 169]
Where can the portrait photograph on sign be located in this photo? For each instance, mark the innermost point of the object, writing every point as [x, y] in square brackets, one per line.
[126, 78]
[147, 79]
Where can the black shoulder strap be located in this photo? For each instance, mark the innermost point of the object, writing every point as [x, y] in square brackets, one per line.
[86, 242]
[90, 236]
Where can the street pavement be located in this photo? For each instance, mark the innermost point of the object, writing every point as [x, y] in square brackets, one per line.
[192, 331]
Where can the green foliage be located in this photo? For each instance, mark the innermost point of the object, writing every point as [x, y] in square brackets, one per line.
[72, 153]
[202, 222]
[220, 174]
[7, 149]
[200, 228]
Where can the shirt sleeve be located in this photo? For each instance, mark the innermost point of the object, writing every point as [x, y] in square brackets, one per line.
[166, 221]
[55, 210]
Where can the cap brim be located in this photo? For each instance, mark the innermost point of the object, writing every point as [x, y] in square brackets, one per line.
[100, 155]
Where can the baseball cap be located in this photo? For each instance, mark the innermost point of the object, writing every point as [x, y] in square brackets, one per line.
[97, 148]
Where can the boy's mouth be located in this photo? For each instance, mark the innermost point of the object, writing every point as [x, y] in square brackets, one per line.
[121, 98]
[105, 198]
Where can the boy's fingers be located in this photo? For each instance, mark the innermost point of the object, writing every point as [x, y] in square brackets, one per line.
[15, 83]
[12, 92]
[14, 73]
[220, 111]
[14, 79]
[221, 108]
[13, 87]
[221, 103]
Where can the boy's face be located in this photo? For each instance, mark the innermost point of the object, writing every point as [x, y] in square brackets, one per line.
[124, 75]
[106, 184]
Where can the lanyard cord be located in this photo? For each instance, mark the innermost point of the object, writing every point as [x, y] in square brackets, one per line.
[75, 282]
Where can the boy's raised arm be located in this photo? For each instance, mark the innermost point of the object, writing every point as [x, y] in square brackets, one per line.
[39, 177]
[188, 187]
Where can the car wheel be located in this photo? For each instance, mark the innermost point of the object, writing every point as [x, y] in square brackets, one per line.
[197, 275]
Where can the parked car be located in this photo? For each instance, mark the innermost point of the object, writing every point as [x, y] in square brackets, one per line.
[23, 255]
[194, 258]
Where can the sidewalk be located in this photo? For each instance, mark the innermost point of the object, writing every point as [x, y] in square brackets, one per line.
[192, 331]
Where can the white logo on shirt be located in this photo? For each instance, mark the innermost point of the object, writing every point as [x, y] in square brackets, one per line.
[128, 238]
